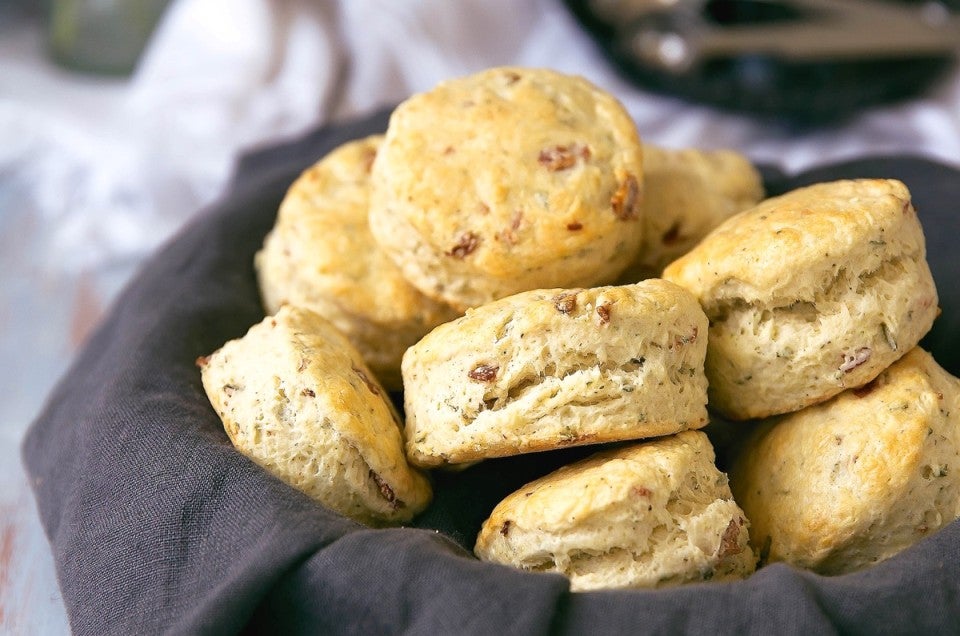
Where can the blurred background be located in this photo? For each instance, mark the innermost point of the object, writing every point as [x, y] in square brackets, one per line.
[122, 119]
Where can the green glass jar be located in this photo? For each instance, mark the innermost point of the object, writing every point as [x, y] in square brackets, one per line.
[101, 36]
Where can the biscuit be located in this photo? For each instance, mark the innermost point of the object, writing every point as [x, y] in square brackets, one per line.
[508, 180]
[296, 398]
[841, 485]
[320, 255]
[687, 193]
[810, 293]
[550, 368]
[653, 514]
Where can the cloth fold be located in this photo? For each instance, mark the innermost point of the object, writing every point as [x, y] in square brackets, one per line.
[158, 525]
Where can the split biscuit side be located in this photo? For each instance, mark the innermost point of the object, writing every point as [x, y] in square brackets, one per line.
[653, 514]
[848, 483]
[810, 293]
[552, 368]
[688, 193]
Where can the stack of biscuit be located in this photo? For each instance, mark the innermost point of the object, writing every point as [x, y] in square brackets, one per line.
[494, 256]
[817, 300]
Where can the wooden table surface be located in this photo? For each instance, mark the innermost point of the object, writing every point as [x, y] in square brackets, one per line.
[30, 601]
[45, 316]
[48, 304]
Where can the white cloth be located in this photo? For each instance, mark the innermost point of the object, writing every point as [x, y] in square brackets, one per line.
[221, 76]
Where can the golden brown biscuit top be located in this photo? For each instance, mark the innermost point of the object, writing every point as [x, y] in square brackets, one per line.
[789, 248]
[727, 173]
[852, 454]
[575, 493]
[512, 165]
[346, 391]
[327, 209]
[534, 311]
[688, 193]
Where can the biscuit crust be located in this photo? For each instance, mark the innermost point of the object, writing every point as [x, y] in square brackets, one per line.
[508, 180]
[653, 514]
[845, 484]
[321, 255]
[810, 293]
[687, 194]
[296, 398]
[550, 368]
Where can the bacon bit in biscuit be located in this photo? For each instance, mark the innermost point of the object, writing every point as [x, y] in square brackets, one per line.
[465, 246]
[642, 491]
[484, 372]
[565, 303]
[308, 393]
[672, 235]
[685, 340]
[386, 491]
[626, 200]
[371, 385]
[562, 157]
[603, 313]
[483, 208]
[505, 528]
[202, 361]
[729, 544]
[509, 235]
[449, 150]
[575, 226]
[369, 155]
[512, 77]
[854, 360]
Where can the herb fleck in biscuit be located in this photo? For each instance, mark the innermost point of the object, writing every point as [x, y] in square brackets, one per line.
[550, 368]
[809, 293]
[648, 515]
[296, 398]
[320, 255]
[508, 180]
[687, 193]
[841, 485]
